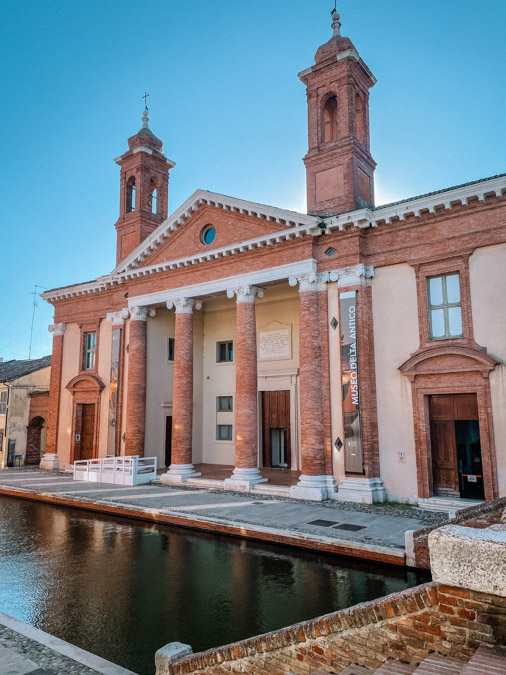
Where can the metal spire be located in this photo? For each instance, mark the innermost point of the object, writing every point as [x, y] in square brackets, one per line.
[336, 24]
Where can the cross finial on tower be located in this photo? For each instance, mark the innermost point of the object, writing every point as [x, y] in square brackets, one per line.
[336, 24]
[145, 101]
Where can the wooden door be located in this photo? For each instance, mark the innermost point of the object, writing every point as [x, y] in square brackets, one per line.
[87, 430]
[276, 424]
[445, 412]
[168, 440]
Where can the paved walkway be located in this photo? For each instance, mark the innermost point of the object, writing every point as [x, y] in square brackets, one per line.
[376, 532]
[25, 650]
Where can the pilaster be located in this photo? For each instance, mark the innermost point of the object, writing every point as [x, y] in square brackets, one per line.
[50, 458]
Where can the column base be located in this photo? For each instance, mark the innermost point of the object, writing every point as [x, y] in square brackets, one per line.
[243, 480]
[178, 474]
[314, 488]
[49, 460]
[361, 490]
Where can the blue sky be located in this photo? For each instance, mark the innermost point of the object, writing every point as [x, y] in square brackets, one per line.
[227, 103]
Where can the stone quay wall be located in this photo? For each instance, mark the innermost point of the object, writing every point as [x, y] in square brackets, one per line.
[479, 516]
[407, 625]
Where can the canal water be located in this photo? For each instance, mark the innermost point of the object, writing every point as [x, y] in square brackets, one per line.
[121, 589]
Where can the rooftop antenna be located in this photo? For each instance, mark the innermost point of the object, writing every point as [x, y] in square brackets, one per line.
[34, 305]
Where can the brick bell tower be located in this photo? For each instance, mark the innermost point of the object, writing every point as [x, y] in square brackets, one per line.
[339, 165]
[144, 191]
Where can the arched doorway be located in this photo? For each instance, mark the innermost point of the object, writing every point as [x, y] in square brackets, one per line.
[86, 390]
[36, 434]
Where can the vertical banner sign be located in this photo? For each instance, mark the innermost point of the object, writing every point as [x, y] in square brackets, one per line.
[114, 389]
[350, 383]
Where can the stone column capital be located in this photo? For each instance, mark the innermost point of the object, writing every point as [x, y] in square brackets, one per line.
[57, 329]
[312, 281]
[118, 318]
[139, 313]
[356, 275]
[184, 305]
[245, 293]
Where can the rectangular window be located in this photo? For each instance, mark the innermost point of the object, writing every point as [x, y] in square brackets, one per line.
[445, 311]
[224, 352]
[170, 348]
[3, 402]
[224, 432]
[89, 350]
[224, 403]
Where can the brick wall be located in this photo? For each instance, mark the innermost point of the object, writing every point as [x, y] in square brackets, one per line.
[479, 516]
[407, 625]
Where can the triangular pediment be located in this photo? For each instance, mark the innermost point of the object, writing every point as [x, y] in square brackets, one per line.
[236, 222]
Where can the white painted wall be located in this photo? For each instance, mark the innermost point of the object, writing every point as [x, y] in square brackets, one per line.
[396, 337]
[486, 272]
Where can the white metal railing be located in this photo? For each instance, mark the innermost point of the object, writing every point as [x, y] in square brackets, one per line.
[132, 470]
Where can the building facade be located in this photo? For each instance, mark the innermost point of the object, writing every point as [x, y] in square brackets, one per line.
[360, 346]
[24, 396]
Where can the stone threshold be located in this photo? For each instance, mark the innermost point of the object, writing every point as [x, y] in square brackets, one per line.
[271, 535]
[87, 659]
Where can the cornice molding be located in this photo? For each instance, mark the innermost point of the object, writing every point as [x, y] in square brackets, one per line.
[296, 226]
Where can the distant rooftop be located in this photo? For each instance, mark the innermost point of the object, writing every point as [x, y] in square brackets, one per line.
[12, 370]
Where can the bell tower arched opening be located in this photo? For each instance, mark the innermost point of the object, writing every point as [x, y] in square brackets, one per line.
[330, 120]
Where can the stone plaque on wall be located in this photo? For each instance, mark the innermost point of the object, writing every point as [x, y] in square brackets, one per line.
[276, 343]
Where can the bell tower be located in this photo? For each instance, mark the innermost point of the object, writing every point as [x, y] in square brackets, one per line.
[339, 165]
[144, 189]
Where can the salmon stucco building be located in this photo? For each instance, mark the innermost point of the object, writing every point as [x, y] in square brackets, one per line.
[360, 346]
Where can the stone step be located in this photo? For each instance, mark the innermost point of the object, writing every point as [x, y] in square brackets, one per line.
[356, 670]
[276, 490]
[395, 667]
[204, 482]
[436, 664]
[447, 504]
[490, 660]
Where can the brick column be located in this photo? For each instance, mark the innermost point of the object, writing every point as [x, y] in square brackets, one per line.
[135, 422]
[313, 482]
[246, 473]
[50, 458]
[182, 396]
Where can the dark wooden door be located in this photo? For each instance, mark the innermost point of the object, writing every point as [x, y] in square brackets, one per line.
[276, 427]
[446, 415]
[168, 440]
[87, 431]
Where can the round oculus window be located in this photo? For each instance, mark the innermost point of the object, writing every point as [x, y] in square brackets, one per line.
[208, 234]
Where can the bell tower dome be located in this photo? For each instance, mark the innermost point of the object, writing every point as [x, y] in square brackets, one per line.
[144, 189]
[339, 165]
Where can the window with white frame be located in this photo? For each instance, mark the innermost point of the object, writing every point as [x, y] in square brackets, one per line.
[445, 308]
